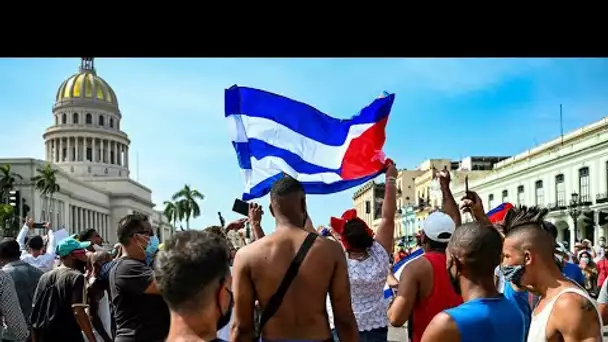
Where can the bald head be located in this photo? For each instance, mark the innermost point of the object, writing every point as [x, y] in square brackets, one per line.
[477, 247]
[526, 230]
[287, 199]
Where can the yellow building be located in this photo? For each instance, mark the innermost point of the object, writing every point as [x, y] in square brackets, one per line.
[368, 199]
[414, 191]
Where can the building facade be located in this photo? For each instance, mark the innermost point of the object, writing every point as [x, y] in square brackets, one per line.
[548, 176]
[91, 153]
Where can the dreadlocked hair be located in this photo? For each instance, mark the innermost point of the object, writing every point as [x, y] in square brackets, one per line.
[521, 216]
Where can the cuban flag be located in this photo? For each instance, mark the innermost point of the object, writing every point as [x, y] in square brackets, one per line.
[498, 214]
[398, 268]
[272, 135]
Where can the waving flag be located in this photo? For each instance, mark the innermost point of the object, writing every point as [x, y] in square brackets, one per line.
[398, 267]
[272, 135]
[498, 214]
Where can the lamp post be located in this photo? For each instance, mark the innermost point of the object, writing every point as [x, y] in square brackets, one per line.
[575, 211]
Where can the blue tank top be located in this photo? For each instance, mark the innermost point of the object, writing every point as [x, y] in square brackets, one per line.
[489, 320]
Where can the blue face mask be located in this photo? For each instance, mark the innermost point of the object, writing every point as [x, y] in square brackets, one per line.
[152, 248]
[513, 273]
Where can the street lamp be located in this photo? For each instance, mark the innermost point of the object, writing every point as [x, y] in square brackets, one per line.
[575, 211]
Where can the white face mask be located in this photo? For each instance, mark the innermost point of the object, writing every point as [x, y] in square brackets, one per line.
[584, 260]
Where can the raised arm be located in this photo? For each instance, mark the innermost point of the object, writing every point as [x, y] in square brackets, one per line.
[472, 203]
[448, 202]
[255, 221]
[386, 229]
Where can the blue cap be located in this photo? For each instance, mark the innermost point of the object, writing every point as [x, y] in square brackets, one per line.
[69, 245]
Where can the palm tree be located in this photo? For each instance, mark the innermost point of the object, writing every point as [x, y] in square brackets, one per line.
[46, 182]
[187, 198]
[174, 212]
[8, 178]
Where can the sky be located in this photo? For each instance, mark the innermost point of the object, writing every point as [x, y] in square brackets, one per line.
[173, 111]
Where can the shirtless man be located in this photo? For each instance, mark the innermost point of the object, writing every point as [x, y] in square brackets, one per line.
[565, 311]
[260, 267]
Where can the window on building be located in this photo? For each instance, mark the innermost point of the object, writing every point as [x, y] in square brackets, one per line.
[505, 196]
[539, 193]
[89, 154]
[583, 184]
[64, 119]
[560, 191]
[88, 119]
[101, 122]
[490, 201]
[75, 118]
[520, 195]
[111, 123]
[368, 207]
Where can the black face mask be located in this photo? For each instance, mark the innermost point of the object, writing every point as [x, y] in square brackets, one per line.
[225, 316]
[454, 279]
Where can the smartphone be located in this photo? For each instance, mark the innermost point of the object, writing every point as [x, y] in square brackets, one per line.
[466, 185]
[240, 207]
[39, 225]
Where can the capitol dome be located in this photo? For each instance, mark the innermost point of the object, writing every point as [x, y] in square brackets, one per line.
[86, 85]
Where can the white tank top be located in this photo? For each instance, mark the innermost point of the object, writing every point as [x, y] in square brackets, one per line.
[538, 324]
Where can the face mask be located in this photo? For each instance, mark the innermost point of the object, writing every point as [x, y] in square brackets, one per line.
[584, 261]
[225, 316]
[151, 248]
[513, 273]
[454, 280]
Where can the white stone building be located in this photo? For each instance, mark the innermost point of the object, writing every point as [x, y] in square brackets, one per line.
[548, 175]
[90, 151]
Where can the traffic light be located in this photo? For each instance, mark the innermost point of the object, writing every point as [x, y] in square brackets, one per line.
[14, 199]
[602, 218]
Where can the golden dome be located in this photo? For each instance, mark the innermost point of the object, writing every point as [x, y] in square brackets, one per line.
[86, 85]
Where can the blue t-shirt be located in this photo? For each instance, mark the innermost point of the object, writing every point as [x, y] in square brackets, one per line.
[488, 319]
[520, 300]
[573, 272]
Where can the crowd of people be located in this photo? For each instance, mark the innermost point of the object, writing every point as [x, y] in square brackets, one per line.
[508, 281]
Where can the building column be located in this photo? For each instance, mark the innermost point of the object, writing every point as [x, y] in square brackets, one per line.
[61, 156]
[127, 157]
[107, 144]
[94, 150]
[571, 226]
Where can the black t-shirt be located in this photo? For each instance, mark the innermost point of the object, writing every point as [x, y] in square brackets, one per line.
[139, 317]
[58, 291]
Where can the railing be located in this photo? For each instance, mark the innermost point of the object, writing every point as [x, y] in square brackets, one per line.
[586, 200]
[601, 198]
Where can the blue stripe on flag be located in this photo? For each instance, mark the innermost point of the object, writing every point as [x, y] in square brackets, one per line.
[259, 149]
[388, 292]
[311, 188]
[290, 113]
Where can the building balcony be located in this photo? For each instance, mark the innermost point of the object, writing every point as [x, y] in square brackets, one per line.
[601, 198]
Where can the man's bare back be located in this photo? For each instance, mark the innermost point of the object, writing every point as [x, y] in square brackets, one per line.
[259, 269]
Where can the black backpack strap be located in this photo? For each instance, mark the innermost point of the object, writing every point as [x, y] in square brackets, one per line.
[277, 298]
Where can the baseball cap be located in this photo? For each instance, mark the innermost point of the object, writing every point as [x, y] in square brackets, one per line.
[438, 227]
[69, 245]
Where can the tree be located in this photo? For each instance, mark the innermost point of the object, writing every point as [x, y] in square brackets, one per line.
[6, 212]
[174, 212]
[8, 178]
[187, 198]
[46, 183]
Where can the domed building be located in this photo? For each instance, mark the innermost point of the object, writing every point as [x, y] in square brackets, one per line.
[91, 152]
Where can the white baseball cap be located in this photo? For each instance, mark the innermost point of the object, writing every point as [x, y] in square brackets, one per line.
[438, 227]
